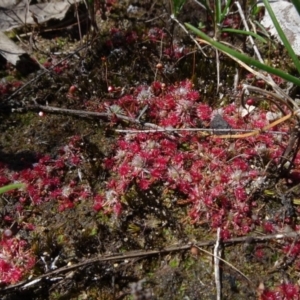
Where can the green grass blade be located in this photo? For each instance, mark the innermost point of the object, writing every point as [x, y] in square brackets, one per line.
[205, 5]
[225, 10]
[244, 58]
[177, 6]
[262, 29]
[297, 5]
[218, 13]
[282, 36]
[10, 187]
[238, 31]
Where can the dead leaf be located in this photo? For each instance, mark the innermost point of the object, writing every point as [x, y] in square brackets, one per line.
[18, 13]
[13, 16]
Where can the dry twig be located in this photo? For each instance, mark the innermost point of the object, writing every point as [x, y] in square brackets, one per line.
[143, 254]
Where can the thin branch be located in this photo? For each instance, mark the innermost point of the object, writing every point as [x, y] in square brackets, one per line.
[225, 136]
[258, 131]
[144, 254]
[226, 262]
[257, 53]
[217, 264]
[90, 114]
[288, 157]
[267, 93]
[206, 131]
[46, 71]
[260, 75]
[191, 37]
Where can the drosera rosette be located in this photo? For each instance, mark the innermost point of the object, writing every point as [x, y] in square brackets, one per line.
[175, 51]
[57, 179]
[16, 260]
[217, 176]
[284, 291]
[155, 35]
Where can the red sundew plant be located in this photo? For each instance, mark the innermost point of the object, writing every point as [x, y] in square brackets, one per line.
[292, 249]
[57, 68]
[119, 37]
[45, 180]
[175, 51]
[15, 260]
[232, 21]
[217, 176]
[251, 79]
[155, 34]
[9, 87]
[285, 291]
